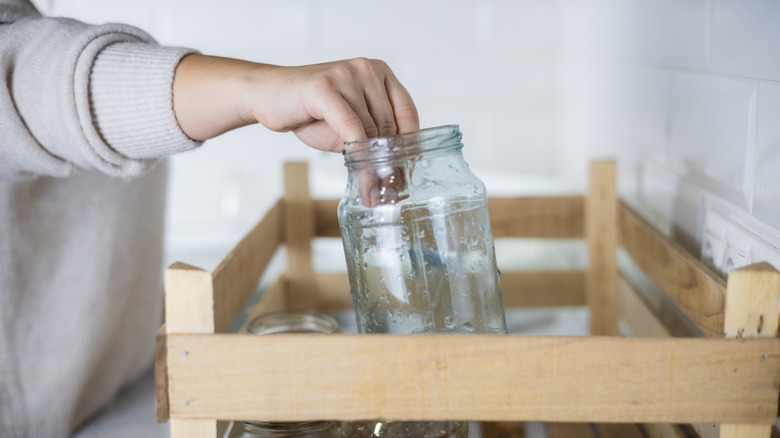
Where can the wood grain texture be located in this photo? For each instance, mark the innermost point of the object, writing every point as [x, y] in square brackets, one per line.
[601, 236]
[333, 291]
[189, 308]
[477, 377]
[698, 291]
[543, 288]
[237, 276]
[745, 431]
[494, 429]
[194, 428]
[299, 230]
[189, 299]
[570, 430]
[661, 430]
[619, 431]
[326, 218]
[541, 217]
[752, 296]
[644, 322]
[751, 302]
[275, 297]
[161, 376]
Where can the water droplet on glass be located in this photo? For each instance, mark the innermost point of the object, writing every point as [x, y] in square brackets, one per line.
[468, 327]
[449, 321]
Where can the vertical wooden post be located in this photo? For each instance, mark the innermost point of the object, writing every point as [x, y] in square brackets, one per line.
[752, 295]
[299, 231]
[601, 236]
[189, 308]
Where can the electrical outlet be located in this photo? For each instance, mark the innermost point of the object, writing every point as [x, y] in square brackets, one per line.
[732, 239]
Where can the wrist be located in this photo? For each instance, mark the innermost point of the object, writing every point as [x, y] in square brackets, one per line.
[212, 95]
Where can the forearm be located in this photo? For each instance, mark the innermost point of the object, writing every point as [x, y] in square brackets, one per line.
[210, 94]
[323, 104]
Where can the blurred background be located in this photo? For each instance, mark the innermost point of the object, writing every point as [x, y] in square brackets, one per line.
[685, 95]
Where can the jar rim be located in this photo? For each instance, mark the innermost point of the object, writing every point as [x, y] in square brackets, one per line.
[283, 429]
[398, 145]
[293, 321]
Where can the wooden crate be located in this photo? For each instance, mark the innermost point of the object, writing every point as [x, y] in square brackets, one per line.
[725, 383]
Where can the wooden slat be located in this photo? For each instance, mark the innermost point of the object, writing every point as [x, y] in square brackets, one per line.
[189, 299]
[542, 217]
[189, 308]
[194, 428]
[275, 297]
[494, 429]
[161, 376]
[236, 277]
[751, 302]
[644, 322]
[661, 430]
[299, 230]
[543, 288]
[474, 377]
[570, 430]
[519, 289]
[326, 218]
[697, 290]
[333, 291]
[752, 296]
[601, 235]
[619, 431]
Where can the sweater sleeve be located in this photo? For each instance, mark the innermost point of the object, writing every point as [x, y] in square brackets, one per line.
[78, 96]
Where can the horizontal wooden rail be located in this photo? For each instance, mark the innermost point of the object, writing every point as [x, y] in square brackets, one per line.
[236, 278]
[474, 377]
[697, 290]
[541, 217]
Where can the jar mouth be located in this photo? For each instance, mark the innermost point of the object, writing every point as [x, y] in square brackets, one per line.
[401, 145]
[293, 322]
[284, 429]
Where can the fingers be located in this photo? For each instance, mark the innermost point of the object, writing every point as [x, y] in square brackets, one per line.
[357, 99]
[404, 109]
[381, 186]
[342, 116]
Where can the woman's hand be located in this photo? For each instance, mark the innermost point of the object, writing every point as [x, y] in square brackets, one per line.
[323, 104]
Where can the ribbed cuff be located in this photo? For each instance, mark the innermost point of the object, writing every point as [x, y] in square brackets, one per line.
[131, 99]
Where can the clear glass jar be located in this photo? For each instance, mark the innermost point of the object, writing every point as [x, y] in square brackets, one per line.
[419, 249]
[289, 322]
[314, 429]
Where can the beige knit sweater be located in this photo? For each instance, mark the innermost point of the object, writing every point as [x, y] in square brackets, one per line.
[85, 115]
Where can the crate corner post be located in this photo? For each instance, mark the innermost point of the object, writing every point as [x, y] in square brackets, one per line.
[299, 229]
[189, 308]
[752, 295]
[601, 276]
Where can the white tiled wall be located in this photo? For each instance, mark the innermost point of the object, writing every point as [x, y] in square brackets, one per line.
[685, 94]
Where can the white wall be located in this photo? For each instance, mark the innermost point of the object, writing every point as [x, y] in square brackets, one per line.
[685, 94]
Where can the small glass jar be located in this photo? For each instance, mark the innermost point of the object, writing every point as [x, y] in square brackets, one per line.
[313, 429]
[289, 322]
[419, 249]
